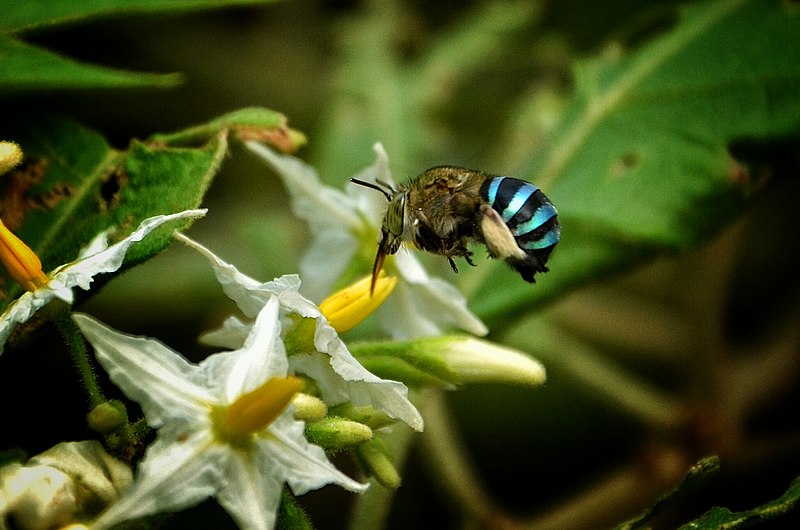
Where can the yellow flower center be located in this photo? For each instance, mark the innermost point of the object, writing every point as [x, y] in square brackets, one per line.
[348, 307]
[254, 411]
[22, 263]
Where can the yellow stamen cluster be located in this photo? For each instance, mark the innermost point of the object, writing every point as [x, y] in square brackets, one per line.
[348, 307]
[22, 263]
[254, 411]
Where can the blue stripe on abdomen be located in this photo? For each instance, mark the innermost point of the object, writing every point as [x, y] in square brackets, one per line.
[518, 201]
[491, 194]
[543, 213]
[548, 240]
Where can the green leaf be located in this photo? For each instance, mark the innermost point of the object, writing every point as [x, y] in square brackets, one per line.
[640, 164]
[73, 185]
[250, 123]
[22, 16]
[24, 67]
[697, 477]
[723, 519]
[291, 515]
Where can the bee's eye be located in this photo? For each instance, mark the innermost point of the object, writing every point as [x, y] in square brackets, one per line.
[394, 220]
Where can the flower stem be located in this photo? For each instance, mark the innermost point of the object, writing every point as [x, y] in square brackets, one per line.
[80, 356]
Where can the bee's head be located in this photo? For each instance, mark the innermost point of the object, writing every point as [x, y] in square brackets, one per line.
[392, 227]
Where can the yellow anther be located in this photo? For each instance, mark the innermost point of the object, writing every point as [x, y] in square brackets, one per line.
[346, 308]
[22, 263]
[254, 411]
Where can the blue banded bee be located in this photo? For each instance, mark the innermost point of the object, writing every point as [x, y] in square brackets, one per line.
[446, 207]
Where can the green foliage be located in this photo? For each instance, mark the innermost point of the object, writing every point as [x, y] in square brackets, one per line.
[640, 163]
[24, 67]
[73, 186]
[722, 518]
[716, 518]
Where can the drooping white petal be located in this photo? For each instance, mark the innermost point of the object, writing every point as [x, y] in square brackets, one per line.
[424, 306]
[96, 258]
[326, 259]
[249, 295]
[310, 468]
[21, 309]
[81, 272]
[363, 387]
[231, 334]
[320, 205]
[148, 372]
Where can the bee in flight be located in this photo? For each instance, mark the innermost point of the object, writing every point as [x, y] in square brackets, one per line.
[446, 207]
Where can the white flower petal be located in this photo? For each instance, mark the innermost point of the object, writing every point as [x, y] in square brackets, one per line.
[94, 259]
[21, 309]
[239, 287]
[424, 306]
[249, 495]
[310, 468]
[81, 272]
[318, 204]
[172, 476]
[326, 259]
[365, 388]
[230, 335]
[148, 372]
[262, 356]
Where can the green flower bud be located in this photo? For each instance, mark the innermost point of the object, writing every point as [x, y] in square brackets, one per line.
[447, 361]
[107, 417]
[376, 459]
[309, 408]
[337, 433]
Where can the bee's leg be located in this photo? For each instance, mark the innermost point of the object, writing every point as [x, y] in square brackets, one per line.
[468, 257]
[452, 264]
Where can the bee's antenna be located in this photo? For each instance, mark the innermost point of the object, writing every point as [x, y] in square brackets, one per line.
[373, 186]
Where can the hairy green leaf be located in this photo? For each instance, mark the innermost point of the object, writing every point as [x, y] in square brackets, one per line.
[719, 518]
[697, 477]
[640, 164]
[73, 185]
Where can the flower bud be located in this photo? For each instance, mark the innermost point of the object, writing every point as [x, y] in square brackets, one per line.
[337, 433]
[448, 361]
[309, 408]
[107, 417]
[375, 458]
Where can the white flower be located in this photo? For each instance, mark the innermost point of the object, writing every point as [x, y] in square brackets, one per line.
[345, 226]
[96, 258]
[340, 377]
[224, 427]
[36, 497]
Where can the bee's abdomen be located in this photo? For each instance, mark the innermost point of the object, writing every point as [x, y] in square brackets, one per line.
[531, 218]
